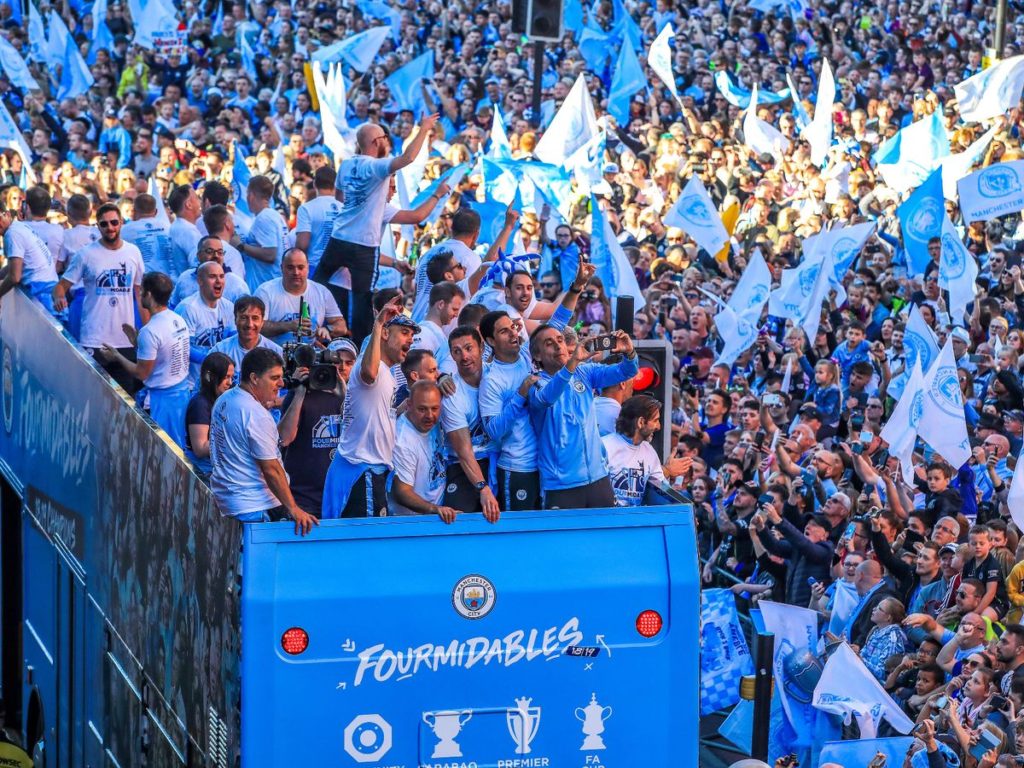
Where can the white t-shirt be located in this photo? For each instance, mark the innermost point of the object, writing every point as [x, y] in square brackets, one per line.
[233, 349]
[268, 231]
[419, 461]
[462, 411]
[317, 218]
[206, 325]
[234, 264]
[109, 278]
[241, 431]
[184, 238]
[153, 240]
[21, 242]
[283, 307]
[463, 254]
[364, 180]
[165, 339]
[368, 418]
[76, 238]
[51, 234]
[431, 337]
[630, 468]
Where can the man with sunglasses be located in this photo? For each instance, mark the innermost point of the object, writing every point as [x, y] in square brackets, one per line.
[111, 273]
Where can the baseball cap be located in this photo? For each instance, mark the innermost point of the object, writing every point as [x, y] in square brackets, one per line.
[610, 168]
[821, 521]
[960, 334]
[1014, 415]
[111, 112]
[752, 488]
[405, 321]
[948, 548]
[214, 91]
[343, 345]
[810, 412]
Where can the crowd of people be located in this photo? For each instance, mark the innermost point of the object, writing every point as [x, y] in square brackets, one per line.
[322, 345]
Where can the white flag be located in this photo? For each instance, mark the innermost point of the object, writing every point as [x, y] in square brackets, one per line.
[955, 167]
[574, 125]
[759, 135]
[802, 293]
[659, 58]
[737, 332]
[942, 423]
[161, 210]
[819, 133]
[359, 50]
[695, 214]
[900, 431]
[958, 270]
[992, 192]
[752, 291]
[849, 690]
[1015, 498]
[15, 68]
[992, 92]
[11, 137]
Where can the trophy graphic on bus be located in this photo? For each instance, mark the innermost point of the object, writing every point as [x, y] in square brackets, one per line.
[446, 726]
[593, 716]
[523, 722]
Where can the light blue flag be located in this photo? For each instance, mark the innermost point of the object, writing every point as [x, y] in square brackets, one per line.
[695, 214]
[240, 175]
[919, 344]
[16, 14]
[358, 51]
[500, 146]
[607, 256]
[627, 81]
[907, 158]
[799, 110]
[627, 30]
[753, 289]
[406, 83]
[102, 39]
[11, 137]
[595, 47]
[15, 67]
[75, 77]
[862, 751]
[452, 177]
[57, 39]
[574, 125]
[921, 219]
[376, 9]
[36, 34]
[572, 17]
[248, 56]
[218, 19]
[659, 57]
[724, 655]
[900, 431]
[739, 96]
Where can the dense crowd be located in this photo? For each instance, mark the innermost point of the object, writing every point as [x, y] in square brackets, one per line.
[336, 314]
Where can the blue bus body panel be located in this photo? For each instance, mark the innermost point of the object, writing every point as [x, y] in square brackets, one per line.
[512, 645]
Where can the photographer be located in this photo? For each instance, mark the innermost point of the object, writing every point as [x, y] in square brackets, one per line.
[310, 428]
[809, 554]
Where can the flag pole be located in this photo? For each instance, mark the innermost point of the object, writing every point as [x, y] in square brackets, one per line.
[538, 76]
[999, 36]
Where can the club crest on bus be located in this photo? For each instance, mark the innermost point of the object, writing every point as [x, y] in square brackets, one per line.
[473, 597]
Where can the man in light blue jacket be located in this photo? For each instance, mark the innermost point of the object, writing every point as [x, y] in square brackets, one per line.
[570, 455]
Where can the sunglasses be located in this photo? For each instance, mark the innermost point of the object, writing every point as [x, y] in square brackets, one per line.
[108, 224]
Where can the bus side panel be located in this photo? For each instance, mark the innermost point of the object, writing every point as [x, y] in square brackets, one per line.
[684, 672]
[39, 641]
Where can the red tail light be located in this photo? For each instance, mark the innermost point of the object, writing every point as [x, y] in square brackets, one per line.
[295, 640]
[649, 623]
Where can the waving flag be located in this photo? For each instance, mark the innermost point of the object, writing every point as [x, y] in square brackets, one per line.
[500, 146]
[1015, 499]
[760, 136]
[595, 46]
[161, 210]
[992, 92]
[659, 58]
[11, 137]
[907, 158]
[919, 345]
[154, 17]
[573, 126]
[724, 655]
[358, 51]
[802, 292]
[738, 333]
[607, 256]
[958, 270]
[921, 219]
[955, 167]
[695, 214]
[753, 289]
[15, 68]
[819, 133]
[739, 96]
[799, 110]
[942, 424]
[75, 77]
[406, 83]
[376, 9]
[240, 175]
[37, 44]
[452, 177]
[248, 56]
[587, 164]
[627, 81]
[862, 751]
[900, 431]
[849, 690]
[992, 192]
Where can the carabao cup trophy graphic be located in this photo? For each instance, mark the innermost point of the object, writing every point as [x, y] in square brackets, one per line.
[523, 722]
[446, 726]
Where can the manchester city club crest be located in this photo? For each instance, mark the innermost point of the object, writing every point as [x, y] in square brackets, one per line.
[953, 261]
[926, 221]
[843, 250]
[945, 392]
[694, 209]
[808, 278]
[916, 409]
[998, 181]
[473, 597]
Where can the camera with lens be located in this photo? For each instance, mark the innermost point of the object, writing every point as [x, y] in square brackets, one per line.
[692, 370]
[321, 363]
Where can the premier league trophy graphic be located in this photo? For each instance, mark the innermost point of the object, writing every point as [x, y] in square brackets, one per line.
[523, 722]
[593, 716]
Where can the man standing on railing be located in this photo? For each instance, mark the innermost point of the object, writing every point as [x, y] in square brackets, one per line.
[111, 273]
[162, 357]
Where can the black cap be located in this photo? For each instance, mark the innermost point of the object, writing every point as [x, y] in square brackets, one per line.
[822, 521]
[810, 411]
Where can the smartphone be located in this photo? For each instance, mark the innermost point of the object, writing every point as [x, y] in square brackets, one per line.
[765, 498]
[772, 400]
[602, 343]
[977, 358]
[998, 702]
[942, 702]
[987, 740]
[851, 528]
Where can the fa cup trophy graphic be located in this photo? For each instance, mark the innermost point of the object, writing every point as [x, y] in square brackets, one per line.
[523, 722]
[593, 716]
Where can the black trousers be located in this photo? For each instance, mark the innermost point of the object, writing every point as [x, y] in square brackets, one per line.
[518, 491]
[595, 495]
[116, 371]
[356, 305]
[461, 494]
[369, 497]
